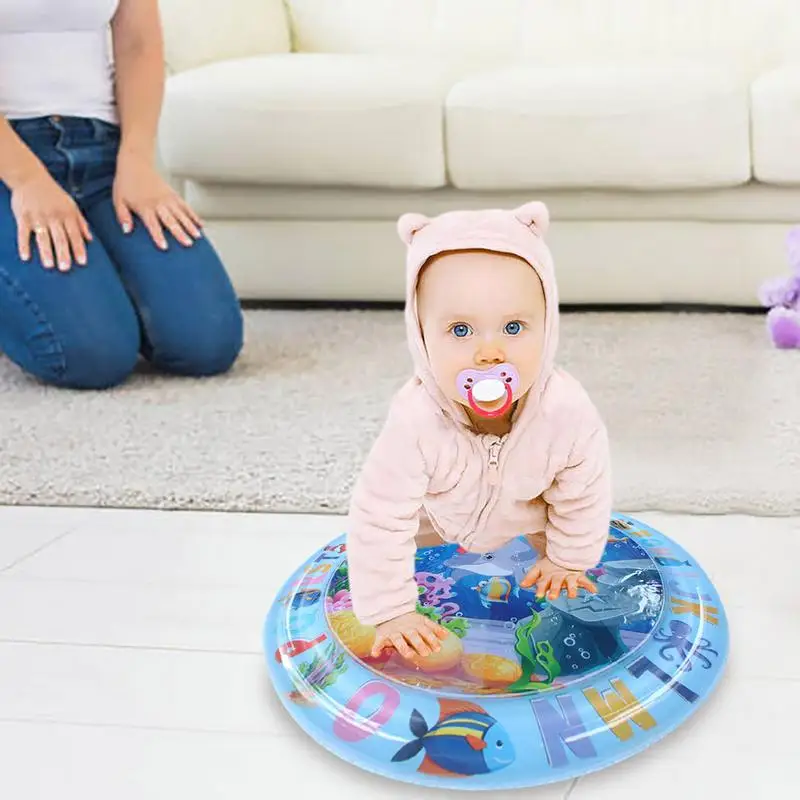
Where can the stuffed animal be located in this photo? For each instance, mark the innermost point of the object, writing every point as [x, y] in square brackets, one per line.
[782, 297]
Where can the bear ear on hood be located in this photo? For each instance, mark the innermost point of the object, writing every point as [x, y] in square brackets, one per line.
[534, 215]
[409, 224]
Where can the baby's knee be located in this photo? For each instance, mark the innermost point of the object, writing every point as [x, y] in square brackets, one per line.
[428, 539]
[538, 542]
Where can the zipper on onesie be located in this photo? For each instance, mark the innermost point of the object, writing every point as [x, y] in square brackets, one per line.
[494, 460]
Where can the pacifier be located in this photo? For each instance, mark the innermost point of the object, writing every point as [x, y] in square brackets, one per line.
[486, 387]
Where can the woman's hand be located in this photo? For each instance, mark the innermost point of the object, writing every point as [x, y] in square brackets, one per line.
[546, 575]
[409, 633]
[140, 190]
[41, 207]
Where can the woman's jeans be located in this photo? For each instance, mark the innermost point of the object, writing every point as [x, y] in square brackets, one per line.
[86, 328]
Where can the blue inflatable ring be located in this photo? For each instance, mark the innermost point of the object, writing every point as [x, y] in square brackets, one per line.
[525, 691]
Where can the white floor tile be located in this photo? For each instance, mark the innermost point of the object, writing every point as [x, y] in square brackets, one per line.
[54, 516]
[175, 690]
[183, 549]
[227, 618]
[24, 531]
[95, 763]
[764, 643]
[742, 743]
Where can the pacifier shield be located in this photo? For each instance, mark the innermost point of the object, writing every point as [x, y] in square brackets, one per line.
[480, 387]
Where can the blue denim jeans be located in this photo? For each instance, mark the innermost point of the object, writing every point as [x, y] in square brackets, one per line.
[87, 327]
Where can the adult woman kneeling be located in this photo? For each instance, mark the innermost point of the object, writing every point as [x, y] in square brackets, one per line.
[101, 261]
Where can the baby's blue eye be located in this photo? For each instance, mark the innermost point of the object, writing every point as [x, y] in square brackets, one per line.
[461, 330]
[513, 328]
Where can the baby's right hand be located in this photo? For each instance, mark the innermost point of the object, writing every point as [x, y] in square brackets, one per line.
[409, 633]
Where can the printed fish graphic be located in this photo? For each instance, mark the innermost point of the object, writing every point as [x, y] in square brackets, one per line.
[464, 741]
[474, 563]
[494, 590]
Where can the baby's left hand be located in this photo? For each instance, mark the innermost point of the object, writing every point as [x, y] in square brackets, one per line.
[545, 574]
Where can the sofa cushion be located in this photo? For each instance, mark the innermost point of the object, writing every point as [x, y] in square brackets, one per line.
[223, 29]
[737, 34]
[308, 119]
[615, 127]
[360, 26]
[740, 34]
[776, 126]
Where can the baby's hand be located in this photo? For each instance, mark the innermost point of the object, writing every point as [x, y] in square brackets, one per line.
[545, 574]
[421, 633]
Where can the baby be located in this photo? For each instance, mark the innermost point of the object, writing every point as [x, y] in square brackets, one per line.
[489, 439]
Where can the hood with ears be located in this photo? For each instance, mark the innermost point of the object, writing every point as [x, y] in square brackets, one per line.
[518, 232]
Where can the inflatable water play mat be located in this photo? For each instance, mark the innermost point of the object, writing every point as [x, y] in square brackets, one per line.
[524, 691]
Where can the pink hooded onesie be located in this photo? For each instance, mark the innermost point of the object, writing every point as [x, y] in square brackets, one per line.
[429, 467]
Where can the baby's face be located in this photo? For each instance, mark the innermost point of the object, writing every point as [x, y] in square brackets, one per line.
[477, 310]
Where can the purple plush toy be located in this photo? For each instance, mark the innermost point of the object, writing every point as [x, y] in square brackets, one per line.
[782, 297]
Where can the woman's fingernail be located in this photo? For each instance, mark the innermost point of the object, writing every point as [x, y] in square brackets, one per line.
[126, 227]
[63, 266]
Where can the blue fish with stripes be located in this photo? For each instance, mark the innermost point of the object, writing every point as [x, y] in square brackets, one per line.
[464, 741]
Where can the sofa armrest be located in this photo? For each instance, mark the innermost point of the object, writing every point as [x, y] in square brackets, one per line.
[199, 33]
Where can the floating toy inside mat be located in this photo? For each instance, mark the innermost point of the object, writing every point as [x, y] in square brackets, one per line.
[524, 691]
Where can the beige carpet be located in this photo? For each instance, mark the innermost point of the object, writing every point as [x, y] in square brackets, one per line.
[704, 416]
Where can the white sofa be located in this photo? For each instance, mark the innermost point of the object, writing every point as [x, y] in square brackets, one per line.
[664, 135]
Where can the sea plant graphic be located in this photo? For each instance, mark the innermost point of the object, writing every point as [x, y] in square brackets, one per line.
[444, 615]
[543, 660]
[318, 674]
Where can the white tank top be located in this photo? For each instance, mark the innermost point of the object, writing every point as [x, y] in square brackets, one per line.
[55, 58]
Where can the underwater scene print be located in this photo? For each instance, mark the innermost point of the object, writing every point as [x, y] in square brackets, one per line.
[503, 639]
